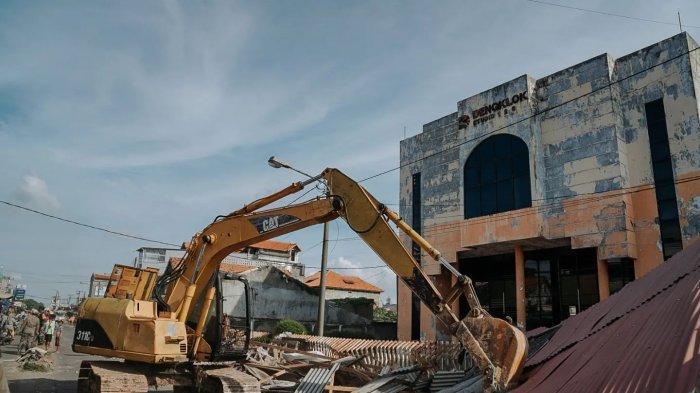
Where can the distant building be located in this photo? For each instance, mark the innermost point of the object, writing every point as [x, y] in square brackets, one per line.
[339, 286]
[389, 306]
[98, 284]
[283, 255]
[5, 287]
[269, 253]
[276, 295]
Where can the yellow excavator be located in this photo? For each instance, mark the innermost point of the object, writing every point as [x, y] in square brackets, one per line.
[172, 327]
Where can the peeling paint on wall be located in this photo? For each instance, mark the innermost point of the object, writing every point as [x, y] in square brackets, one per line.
[590, 162]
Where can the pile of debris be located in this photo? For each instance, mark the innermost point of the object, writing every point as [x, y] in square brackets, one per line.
[310, 364]
[35, 359]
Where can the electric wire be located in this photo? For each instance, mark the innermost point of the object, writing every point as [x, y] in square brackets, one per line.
[349, 268]
[610, 14]
[567, 204]
[533, 115]
[300, 196]
[335, 242]
[113, 232]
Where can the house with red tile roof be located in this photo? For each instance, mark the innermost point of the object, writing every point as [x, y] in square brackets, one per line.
[339, 286]
[283, 255]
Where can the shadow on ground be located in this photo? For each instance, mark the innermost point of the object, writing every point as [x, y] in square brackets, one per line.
[42, 385]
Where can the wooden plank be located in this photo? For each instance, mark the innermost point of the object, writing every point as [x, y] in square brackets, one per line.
[340, 388]
[273, 376]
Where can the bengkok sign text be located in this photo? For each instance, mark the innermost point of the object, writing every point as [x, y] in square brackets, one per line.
[489, 111]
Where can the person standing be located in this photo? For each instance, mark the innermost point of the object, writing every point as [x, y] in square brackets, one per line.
[49, 328]
[29, 329]
[57, 333]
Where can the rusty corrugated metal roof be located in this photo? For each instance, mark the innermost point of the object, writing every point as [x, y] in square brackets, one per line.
[645, 338]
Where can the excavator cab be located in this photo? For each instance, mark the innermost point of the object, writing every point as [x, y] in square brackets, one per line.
[227, 328]
[233, 317]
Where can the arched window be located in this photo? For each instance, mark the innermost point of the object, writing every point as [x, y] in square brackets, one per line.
[497, 177]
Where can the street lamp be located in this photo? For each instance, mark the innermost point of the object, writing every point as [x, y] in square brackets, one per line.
[275, 163]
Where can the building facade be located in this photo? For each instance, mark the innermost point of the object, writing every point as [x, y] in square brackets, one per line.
[283, 255]
[98, 284]
[278, 295]
[552, 193]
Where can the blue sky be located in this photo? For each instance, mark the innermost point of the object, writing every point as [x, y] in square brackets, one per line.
[153, 117]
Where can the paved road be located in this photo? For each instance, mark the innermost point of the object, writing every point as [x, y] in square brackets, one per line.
[63, 377]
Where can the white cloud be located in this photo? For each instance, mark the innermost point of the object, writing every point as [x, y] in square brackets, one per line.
[34, 192]
[185, 87]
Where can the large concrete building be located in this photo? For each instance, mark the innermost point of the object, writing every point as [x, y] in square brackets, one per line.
[552, 193]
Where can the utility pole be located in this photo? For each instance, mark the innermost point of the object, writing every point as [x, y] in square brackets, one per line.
[680, 25]
[322, 282]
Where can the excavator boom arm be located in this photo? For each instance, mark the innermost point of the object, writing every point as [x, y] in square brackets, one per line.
[498, 348]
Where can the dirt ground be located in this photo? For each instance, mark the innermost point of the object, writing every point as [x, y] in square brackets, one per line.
[63, 377]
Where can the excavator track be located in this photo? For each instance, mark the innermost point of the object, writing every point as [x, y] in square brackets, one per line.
[122, 377]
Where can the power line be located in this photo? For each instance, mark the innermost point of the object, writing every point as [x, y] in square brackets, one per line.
[608, 85]
[633, 188]
[349, 268]
[113, 232]
[9, 271]
[610, 14]
[557, 204]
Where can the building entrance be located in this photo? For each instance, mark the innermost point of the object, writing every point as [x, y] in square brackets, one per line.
[559, 282]
[494, 282]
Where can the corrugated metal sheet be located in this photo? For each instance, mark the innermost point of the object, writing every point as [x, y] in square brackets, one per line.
[445, 379]
[471, 385]
[644, 338]
[377, 354]
[316, 380]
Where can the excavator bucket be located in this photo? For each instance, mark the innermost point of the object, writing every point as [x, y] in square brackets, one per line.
[504, 344]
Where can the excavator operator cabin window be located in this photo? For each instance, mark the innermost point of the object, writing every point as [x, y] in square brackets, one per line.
[497, 177]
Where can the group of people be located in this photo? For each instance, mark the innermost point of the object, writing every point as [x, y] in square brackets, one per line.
[33, 326]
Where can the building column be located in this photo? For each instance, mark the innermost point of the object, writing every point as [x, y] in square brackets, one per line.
[520, 286]
[403, 309]
[603, 280]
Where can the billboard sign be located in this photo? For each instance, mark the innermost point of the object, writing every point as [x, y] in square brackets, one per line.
[20, 293]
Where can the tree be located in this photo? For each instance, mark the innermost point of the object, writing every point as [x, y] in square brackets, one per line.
[31, 303]
[383, 315]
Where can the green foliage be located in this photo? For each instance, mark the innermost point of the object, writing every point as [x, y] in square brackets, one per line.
[351, 301]
[31, 303]
[36, 366]
[384, 315]
[289, 325]
[351, 333]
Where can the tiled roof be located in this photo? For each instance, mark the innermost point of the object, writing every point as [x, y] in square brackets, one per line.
[234, 268]
[338, 281]
[224, 268]
[641, 339]
[101, 276]
[275, 246]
